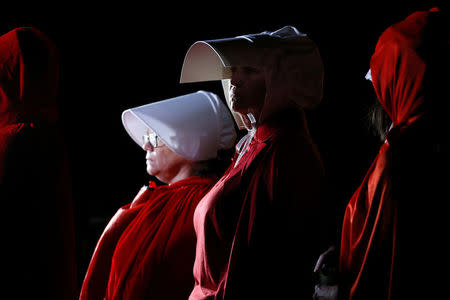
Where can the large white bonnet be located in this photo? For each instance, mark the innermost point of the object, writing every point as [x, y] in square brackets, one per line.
[294, 68]
[194, 126]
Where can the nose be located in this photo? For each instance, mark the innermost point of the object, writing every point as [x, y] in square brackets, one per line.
[147, 146]
[236, 77]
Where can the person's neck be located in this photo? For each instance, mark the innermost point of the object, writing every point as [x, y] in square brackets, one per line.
[184, 172]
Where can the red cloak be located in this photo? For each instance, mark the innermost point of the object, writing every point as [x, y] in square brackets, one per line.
[258, 228]
[35, 184]
[148, 248]
[29, 71]
[388, 233]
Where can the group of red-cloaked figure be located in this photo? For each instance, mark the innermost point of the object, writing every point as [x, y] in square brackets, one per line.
[256, 231]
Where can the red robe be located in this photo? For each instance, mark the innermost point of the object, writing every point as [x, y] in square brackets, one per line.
[390, 226]
[38, 237]
[258, 227]
[147, 249]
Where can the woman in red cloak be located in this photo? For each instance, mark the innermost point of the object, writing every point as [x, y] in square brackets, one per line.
[258, 228]
[35, 185]
[147, 249]
[393, 222]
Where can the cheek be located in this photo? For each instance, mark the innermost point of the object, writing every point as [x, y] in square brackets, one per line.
[260, 86]
[258, 94]
[165, 158]
[257, 83]
[160, 158]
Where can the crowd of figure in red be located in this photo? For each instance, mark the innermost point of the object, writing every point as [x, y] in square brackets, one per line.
[241, 209]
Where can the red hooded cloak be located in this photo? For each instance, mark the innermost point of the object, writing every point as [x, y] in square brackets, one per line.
[389, 229]
[35, 184]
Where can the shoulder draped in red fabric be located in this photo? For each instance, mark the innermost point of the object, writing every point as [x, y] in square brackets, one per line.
[258, 227]
[148, 248]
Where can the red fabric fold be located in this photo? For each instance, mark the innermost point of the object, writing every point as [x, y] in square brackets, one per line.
[383, 252]
[29, 71]
[35, 183]
[254, 233]
[147, 249]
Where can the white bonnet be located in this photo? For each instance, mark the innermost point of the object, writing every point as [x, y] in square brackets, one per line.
[294, 68]
[195, 125]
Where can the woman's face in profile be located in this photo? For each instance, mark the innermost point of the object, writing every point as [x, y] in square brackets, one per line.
[161, 161]
[248, 89]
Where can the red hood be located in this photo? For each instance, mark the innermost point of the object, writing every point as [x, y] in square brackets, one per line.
[28, 77]
[398, 70]
[372, 229]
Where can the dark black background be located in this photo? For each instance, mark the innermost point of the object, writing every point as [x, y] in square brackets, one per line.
[114, 57]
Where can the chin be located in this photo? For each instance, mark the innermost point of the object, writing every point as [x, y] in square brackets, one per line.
[151, 172]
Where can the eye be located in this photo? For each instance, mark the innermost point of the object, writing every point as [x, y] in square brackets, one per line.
[250, 70]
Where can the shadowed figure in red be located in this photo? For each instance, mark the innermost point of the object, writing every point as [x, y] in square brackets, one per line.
[394, 223]
[258, 228]
[147, 249]
[35, 183]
